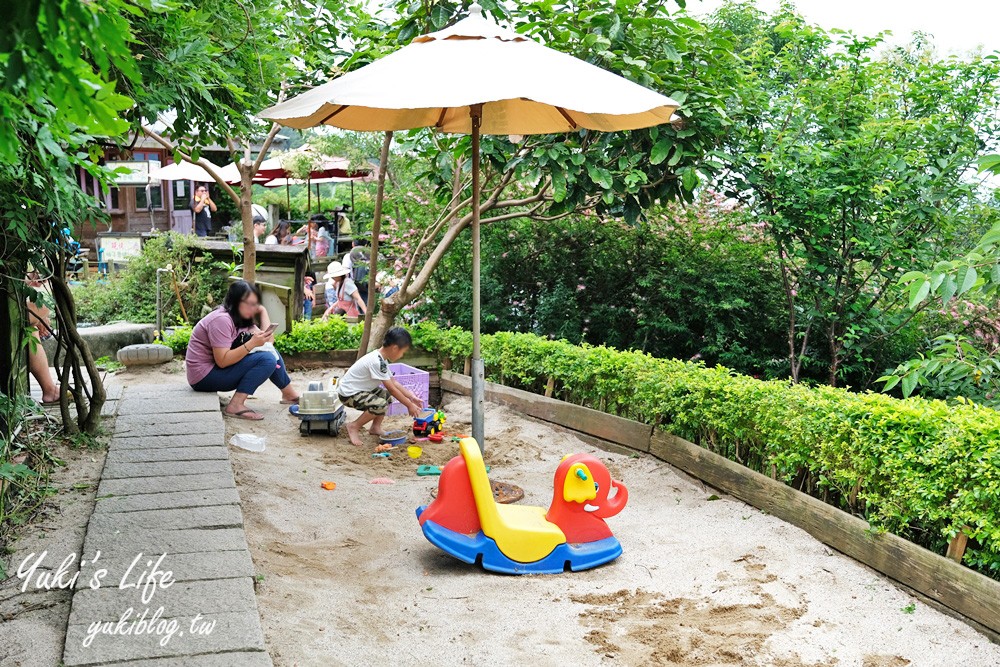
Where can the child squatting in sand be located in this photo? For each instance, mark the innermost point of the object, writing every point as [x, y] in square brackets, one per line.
[360, 387]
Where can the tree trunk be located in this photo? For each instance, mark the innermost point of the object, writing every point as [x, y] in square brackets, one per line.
[88, 403]
[246, 214]
[836, 347]
[383, 322]
[13, 375]
[366, 337]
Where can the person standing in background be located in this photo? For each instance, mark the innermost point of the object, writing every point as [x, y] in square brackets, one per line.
[203, 207]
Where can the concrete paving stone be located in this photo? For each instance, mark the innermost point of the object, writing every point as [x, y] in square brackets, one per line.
[128, 420]
[147, 485]
[219, 516]
[238, 631]
[114, 470]
[157, 501]
[173, 402]
[156, 542]
[228, 659]
[165, 454]
[159, 399]
[180, 440]
[151, 429]
[179, 599]
[196, 566]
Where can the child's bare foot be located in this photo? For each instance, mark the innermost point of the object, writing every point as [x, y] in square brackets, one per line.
[354, 434]
[376, 432]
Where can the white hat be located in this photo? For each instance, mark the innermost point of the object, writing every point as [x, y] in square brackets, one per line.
[335, 270]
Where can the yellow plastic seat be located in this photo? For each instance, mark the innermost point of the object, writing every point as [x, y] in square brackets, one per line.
[521, 532]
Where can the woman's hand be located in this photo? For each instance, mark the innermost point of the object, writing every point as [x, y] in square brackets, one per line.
[259, 338]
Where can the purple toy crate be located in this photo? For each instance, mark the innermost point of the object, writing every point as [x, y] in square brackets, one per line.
[411, 378]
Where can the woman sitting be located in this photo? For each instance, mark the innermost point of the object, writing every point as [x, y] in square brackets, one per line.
[342, 296]
[223, 353]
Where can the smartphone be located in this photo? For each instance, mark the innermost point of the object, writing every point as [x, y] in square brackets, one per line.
[270, 330]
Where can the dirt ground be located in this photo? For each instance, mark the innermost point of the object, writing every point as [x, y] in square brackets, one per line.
[346, 577]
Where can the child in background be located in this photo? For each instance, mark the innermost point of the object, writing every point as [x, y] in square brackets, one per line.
[360, 387]
[308, 296]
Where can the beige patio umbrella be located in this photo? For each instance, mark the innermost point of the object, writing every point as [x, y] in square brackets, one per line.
[472, 78]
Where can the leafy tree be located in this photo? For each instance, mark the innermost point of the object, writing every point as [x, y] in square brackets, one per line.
[858, 164]
[698, 283]
[547, 177]
[210, 65]
[58, 65]
[963, 362]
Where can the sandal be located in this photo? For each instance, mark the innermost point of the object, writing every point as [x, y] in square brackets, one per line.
[291, 401]
[242, 415]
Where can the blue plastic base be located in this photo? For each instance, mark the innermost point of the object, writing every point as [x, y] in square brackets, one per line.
[483, 550]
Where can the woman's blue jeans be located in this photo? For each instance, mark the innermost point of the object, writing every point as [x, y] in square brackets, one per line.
[246, 374]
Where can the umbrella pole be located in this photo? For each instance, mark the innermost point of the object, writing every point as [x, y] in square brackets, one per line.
[383, 163]
[319, 202]
[352, 197]
[309, 196]
[288, 201]
[478, 369]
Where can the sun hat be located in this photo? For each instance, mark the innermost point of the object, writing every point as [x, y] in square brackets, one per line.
[335, 270]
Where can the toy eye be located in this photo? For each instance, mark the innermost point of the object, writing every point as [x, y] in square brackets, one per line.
[597, 487]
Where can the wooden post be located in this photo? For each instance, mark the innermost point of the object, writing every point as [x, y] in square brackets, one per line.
[550, 387]
[446, 362]
[956, 548]
[468, 366]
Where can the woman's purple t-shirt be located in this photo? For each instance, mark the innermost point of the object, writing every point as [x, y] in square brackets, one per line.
[216, 329]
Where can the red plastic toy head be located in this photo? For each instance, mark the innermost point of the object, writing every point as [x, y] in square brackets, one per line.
[583, 497]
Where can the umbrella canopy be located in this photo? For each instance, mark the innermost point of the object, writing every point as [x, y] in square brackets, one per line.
[472, 78]
[281, 182]
[332, 167]
[524, 87]
[183, 171]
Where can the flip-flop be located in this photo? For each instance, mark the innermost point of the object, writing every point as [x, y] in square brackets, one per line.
[294, 401]
[241, 413]
[50, 403]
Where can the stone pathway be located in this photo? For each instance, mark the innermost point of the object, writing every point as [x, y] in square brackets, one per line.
[167, 488]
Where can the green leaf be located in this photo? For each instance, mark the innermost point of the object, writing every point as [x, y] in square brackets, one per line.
[967, 278]
[919, 292]
[660, 150]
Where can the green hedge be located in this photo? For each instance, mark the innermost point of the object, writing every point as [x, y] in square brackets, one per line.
[919, 468]
[306, 336]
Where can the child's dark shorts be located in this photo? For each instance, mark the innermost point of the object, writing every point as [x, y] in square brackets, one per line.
[375, 401]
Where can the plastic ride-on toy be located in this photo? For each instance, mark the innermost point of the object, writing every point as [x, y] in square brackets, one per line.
[429, 423]
[319, 407]
[466, 522]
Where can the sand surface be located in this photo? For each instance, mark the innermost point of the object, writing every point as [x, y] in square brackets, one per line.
[348, 578]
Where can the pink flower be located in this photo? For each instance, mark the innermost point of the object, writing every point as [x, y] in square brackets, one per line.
[580, 288]
[795, 292]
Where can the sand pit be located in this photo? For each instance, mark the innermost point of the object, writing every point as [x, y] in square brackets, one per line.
[346, 577]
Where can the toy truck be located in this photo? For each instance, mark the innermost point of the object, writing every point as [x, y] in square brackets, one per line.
[430, 422]
[319, 407]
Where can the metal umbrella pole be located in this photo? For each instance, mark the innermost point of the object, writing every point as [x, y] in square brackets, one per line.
[478, 369]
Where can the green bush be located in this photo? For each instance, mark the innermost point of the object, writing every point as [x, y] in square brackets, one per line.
[178, 339]
[131, 293]
[309, 336]
[319, 336]
[919, 468]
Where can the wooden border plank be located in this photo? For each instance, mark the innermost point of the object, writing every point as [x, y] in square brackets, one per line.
[634, 435]
[957, 587]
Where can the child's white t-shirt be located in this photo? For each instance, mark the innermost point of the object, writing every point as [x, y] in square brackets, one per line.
[366, 374]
